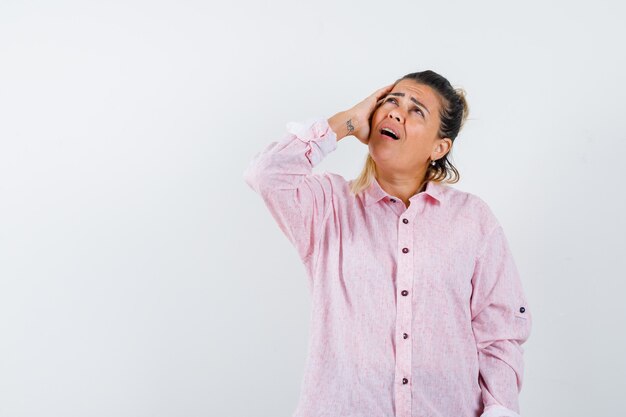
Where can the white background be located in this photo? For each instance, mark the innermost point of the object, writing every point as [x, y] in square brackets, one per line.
[141, 276]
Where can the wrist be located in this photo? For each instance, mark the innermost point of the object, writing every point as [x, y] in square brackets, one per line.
[343, 124]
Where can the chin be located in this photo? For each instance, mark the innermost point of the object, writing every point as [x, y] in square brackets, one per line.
[381, 153]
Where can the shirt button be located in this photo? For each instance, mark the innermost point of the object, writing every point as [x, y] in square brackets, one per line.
[404, 292]
[405, 250]
[405, 381]
[405, 335]
[393, 200]
[405, 221]
[522, 309]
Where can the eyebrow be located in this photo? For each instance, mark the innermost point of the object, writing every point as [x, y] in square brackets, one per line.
[414, 100]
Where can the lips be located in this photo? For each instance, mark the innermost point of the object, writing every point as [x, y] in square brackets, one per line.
[390, 131]
[387, 136]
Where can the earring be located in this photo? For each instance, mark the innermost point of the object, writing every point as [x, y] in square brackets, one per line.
[433, 163]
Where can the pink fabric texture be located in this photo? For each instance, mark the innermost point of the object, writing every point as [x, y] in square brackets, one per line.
[417, 311]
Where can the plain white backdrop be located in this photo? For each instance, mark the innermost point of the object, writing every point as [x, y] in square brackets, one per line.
[141, 276]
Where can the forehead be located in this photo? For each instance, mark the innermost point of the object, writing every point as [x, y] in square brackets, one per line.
[421, 92]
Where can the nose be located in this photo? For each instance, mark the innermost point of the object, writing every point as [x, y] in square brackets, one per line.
[394, 114]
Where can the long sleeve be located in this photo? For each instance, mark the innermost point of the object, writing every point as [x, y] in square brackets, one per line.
[501, 321]
[281, 173]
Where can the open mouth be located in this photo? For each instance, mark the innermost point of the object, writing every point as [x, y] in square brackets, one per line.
[388, 132]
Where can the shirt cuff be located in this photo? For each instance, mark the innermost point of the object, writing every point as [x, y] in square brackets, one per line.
[498, 411]
[318, 134]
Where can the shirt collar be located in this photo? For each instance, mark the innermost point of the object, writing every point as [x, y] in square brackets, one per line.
[375, 193]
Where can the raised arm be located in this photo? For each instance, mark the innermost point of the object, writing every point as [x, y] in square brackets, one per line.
[282, 175]
[299, 200]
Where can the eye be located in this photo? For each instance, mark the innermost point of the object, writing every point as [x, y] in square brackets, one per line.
[415, 108]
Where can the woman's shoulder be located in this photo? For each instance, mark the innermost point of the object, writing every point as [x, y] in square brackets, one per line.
[471, 204]
[332, 182]
[457, 195]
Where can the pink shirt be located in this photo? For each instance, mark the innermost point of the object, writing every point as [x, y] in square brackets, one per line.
[416, 312]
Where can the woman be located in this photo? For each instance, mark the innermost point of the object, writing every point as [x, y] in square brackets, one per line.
[418, 307]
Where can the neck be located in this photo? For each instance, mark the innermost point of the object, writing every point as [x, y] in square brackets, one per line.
[399, 186]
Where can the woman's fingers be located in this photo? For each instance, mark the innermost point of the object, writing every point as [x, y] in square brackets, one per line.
[380, 94]
[382, 91]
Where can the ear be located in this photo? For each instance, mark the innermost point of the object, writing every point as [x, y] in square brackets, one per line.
[442, 147]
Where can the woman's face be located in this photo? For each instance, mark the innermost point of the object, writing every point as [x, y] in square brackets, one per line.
[416, 125]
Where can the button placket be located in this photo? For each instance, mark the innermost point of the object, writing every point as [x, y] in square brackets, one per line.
[404, 314]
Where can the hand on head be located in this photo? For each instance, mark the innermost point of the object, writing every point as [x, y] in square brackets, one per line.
[362, 113]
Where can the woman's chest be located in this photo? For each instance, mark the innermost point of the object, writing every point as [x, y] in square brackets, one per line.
[422, 253]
